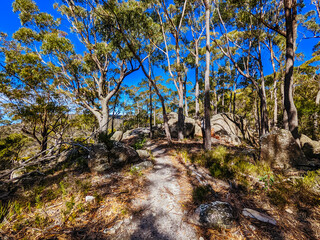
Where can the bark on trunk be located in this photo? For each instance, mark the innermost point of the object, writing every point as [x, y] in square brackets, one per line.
[215, 110]
[234, 98]
[180, 124]
[207, 131]
[150, 116]
[257, 115]
[197, 81]
[275, 97]
[316, 116]
[285, 115]
[291, 33]
[185, 95]
[103, 124]
[263, 98]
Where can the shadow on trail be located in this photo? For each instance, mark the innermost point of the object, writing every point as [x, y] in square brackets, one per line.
[147, 229]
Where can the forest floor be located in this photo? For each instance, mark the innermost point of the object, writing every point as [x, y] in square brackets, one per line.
[156, 203]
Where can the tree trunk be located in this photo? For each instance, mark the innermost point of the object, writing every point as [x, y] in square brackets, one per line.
[257, 115]
[234, 98]
[222, 100]
[103, 124]
[207, 130]
[264, 125]
[197, 81]
[150, 116]
[113, 113]
[285, 115]
[180, 124]
[185, 94]
[263, 98]
[154, 115]
[103, 118]
[291, 33]
[230, 103]
[275, 97]
[165, 120]
[215, 110]
[316, 116]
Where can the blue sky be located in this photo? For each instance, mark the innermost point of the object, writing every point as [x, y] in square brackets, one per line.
[9, 23]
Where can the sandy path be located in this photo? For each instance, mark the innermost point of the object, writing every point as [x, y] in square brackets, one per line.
[161, 217]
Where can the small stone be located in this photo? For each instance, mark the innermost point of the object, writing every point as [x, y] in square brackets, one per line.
[201, 238]
[90, 198]
[143, 154]
[253, 228]
[289, 211]
[247, 212]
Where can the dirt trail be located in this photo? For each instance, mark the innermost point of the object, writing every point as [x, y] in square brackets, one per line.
[161, 215]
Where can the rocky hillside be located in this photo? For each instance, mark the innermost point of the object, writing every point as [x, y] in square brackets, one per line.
[133, 187]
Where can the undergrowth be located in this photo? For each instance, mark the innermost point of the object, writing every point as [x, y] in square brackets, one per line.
[255, 177]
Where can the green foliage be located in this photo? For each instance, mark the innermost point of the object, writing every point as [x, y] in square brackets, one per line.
[63, 188]
[10, 149]
[135, 171]
[268, 181]
[4, 209]
[139, 144]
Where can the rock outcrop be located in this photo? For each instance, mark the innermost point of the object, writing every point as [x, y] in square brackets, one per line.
[132, 136]
[136, 133]
[188, 129]
[103, 158]
[280, 150]
[310, 147]
[230, 128]
[117, 136]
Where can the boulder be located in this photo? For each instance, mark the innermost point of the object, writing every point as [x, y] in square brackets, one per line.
[117, 136]
[188, 129]
[216, 215]
[197, 129]
[310, 147]
[122, 153]
[137, 132]
[67, 155]
[142, 165]
[103, 158]
[280, 150]
[230, 128]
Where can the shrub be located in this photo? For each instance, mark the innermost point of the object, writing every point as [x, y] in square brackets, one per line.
[139, 144]
[10, 149]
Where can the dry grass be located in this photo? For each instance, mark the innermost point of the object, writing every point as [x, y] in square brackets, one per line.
[56, 208]
[294, 204]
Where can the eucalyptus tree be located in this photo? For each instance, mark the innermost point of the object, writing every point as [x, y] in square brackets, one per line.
[91, 79]
[207, 108]
[28, 85]
[136, 26]
[171, 19]
[196, 24]
[241, 35]
[282, 18]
